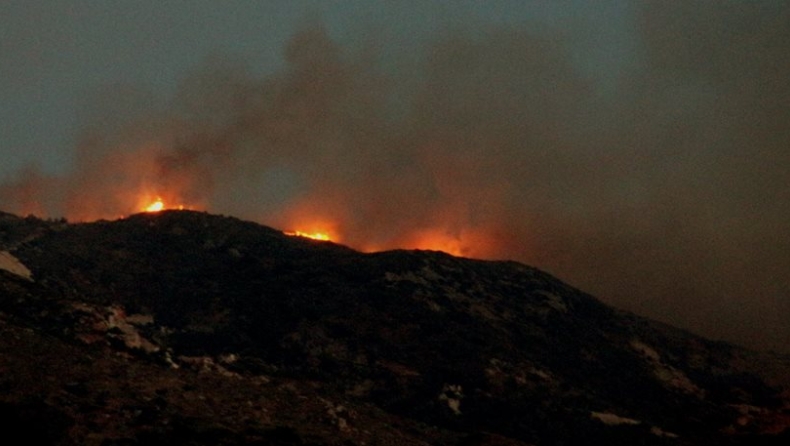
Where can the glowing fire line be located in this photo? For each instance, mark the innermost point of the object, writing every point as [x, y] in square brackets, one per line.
[314, 235]
[159, 205]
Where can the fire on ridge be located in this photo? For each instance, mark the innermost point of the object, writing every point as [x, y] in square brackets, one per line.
[159, 205]
[430, 240]
[312, 235]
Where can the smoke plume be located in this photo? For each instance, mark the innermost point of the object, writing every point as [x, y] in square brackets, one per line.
[668, 196]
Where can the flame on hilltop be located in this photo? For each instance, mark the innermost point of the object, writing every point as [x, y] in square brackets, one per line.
[313, 223]
[313, 235]
[158, 205]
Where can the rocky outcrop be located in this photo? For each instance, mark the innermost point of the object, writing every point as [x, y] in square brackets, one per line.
[11, 264]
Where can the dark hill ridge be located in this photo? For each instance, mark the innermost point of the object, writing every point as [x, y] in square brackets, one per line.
[286, 340]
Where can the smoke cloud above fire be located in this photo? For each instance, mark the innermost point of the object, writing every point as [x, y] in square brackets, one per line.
[668, 195]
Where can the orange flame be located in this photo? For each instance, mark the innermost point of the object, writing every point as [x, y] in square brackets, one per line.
[313, 235]
[156, 206]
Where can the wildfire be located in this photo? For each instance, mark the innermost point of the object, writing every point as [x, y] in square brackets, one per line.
[313, 235]
[156, 206]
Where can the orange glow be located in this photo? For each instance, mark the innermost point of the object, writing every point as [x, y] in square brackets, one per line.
[304, 221]
[156, 206]
[437, 241]
[313, 235]
[466, 242]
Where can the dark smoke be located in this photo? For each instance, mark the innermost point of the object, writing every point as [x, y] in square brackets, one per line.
[669, 196]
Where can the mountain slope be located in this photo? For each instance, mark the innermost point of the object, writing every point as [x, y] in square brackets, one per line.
[285, 340]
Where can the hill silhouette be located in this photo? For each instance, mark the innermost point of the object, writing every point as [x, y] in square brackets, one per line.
[182, 327]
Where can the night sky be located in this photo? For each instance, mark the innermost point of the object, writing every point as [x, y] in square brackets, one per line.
[638, 149]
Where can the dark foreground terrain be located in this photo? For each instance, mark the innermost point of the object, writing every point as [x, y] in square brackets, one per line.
[187, 328]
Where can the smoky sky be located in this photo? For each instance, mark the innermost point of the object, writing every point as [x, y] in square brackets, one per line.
[665, 192]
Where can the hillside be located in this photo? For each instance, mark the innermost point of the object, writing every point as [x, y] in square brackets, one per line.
[182, 327]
